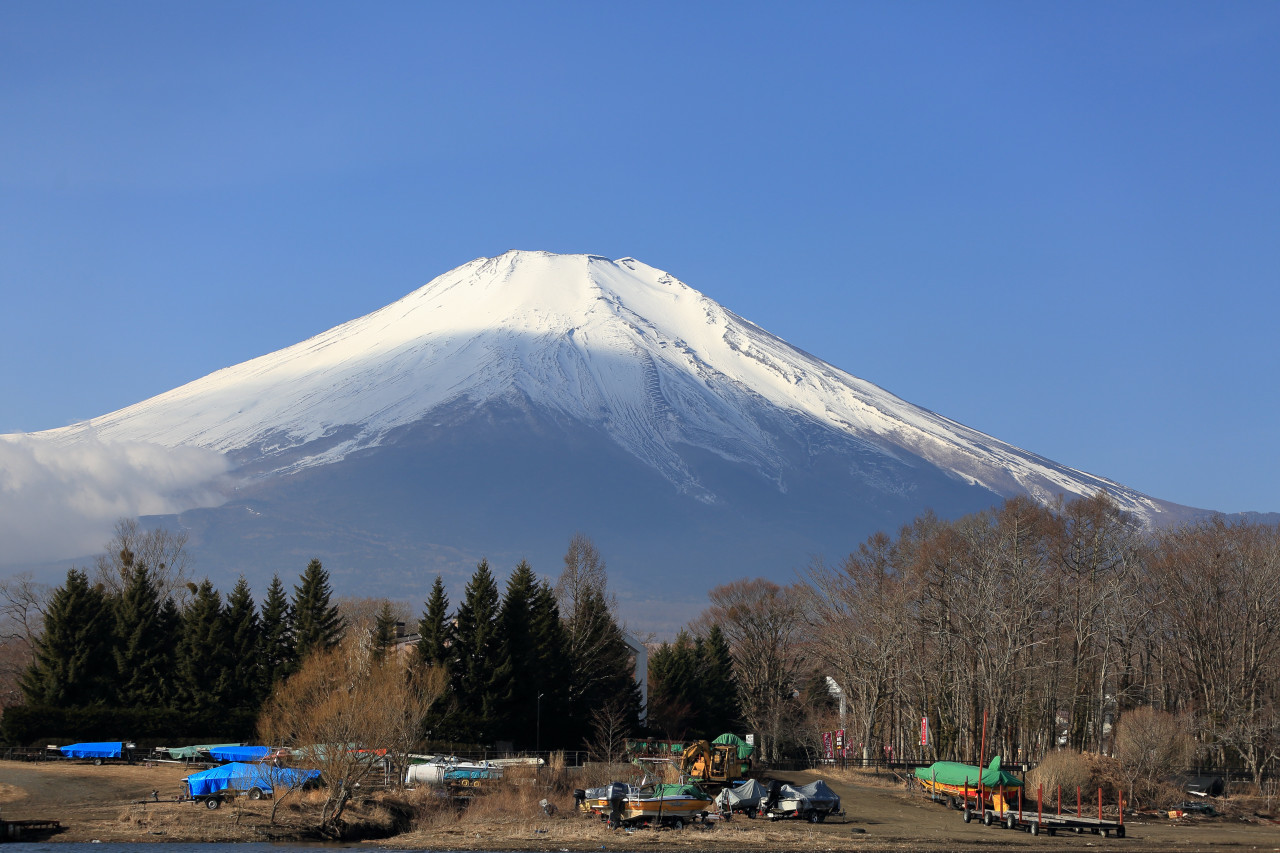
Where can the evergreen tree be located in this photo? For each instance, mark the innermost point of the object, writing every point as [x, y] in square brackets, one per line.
[317, 624]
[476, 656]
[145, 638]
[434, 630]
[204, 653]
[674, 689]
[384, 630]
[515, 683]
[244, 642]
[601, 666]
[720, 711]
[72, 665]
[550, 671]
[279, 650]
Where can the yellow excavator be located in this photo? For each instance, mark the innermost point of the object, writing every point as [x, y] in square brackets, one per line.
[713, 765]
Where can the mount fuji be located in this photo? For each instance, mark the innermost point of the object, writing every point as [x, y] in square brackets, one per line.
[517, 399]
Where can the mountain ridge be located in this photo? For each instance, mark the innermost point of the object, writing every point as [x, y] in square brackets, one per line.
[616, 343]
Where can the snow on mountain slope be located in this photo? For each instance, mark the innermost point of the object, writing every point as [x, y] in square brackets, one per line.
[619, 345]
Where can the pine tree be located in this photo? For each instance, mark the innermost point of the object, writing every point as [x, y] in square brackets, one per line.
[550, 671]
[601, 666]
[73, 664]
[204, 653]
[515, 682]
[476, 656]
[720, 711]
[674, 689]
[279, 650]
[434, 630]
[317, 624]
[244, 642]
[145, 638]
[384, 630]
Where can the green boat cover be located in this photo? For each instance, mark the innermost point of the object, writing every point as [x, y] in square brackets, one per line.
[744, 749]
[955, 773]
[680, 791]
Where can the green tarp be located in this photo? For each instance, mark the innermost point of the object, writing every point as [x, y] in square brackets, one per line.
[680, 791]
[744, 749]
[957, 774]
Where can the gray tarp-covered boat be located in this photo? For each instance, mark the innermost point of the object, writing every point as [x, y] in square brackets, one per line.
[812, 802]
[745, 798]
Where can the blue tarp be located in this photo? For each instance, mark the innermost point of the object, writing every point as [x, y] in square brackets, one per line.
[239, 776]
[108, 749]
[239, 753]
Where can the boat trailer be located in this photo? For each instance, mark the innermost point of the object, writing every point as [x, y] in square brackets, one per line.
[1038, 820]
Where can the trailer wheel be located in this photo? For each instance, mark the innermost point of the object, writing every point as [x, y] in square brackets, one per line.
[968, 815]
[1050, 831]
[987, 818]
[255, 793]
[1010, 822]
[97, 762]
[677, 823]
[822, 816]
[212, 803]
[1120, 831]
[1035, 827]
[953, 802]
[1106, 833]
[811, 816]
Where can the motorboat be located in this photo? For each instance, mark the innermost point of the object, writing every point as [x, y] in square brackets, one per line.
[813, 802]
[671, 805]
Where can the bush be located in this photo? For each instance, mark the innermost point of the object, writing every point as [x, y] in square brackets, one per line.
[1064, 768]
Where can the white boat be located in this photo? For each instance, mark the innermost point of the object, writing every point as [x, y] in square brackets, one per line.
[450, 770]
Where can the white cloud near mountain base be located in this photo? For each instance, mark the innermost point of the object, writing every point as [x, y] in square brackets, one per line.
[59, 501]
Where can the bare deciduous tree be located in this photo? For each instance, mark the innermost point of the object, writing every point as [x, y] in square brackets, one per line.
[346, 711]
[762, 622]
[162, 551]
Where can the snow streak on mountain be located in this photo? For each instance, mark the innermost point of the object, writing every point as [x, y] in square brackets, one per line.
[619, 346]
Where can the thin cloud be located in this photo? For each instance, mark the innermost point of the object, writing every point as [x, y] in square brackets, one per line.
[60, 501]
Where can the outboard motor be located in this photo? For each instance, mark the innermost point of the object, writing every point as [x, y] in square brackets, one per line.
[775, 791]
[616, 795]
[579, 798]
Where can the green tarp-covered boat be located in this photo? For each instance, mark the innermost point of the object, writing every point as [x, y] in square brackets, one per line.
[951, 778]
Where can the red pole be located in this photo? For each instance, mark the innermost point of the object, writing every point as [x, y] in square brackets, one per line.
[1002, 801]
[1122, 808]
[1019, 803]
[982, 751]
[966, 792]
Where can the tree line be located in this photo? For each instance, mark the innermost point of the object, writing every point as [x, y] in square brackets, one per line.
[534, 666]
[142, 647]
[1050, 623]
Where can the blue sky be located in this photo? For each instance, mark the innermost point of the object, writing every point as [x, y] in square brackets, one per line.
[1058, 223]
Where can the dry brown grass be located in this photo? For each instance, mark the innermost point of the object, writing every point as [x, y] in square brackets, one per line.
[866, 776]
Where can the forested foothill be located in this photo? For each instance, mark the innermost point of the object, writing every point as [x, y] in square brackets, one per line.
[1068, 628]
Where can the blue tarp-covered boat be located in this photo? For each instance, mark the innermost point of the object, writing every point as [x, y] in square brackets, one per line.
[243, 777]
[105, 749]
[239, 753]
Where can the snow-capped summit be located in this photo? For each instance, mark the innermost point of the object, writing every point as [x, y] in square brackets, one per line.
[621, 347]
